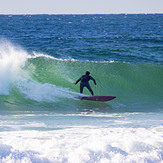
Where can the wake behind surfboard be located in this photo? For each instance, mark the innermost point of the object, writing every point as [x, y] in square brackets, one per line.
[97, 98]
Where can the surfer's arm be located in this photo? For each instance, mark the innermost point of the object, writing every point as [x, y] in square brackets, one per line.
[77, 81]
[93, 80]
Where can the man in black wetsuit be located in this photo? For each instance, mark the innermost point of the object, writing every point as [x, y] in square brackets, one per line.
[85, 82]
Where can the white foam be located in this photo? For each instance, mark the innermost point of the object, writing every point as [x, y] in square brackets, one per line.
[43, 91]
[83, 144]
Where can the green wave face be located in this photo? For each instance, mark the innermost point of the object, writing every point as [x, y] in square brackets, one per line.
[44, 82]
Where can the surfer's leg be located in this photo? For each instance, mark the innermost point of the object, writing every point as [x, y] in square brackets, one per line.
[90, 89]
[81, 88]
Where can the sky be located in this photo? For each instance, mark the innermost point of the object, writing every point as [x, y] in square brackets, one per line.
[80, 6]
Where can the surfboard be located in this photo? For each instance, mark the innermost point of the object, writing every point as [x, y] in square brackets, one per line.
[98, 98]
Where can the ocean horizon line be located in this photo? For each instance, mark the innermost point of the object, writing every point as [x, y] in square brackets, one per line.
[143, 13]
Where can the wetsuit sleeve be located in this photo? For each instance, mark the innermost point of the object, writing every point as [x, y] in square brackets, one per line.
[78, 80]
[93, 79]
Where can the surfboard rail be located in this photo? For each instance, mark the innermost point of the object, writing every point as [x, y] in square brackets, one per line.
[98, 98]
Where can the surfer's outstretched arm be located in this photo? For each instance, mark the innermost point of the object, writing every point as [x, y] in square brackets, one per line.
[77, 81]
[93, 81]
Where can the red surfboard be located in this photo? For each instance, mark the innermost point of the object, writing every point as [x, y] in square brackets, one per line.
[98, 98]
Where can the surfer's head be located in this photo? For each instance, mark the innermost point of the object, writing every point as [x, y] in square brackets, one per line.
[87, 72]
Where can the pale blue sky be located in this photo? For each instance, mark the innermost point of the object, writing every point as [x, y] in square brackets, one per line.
[80, 6]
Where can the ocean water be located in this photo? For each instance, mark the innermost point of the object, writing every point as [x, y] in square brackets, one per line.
[42, 121]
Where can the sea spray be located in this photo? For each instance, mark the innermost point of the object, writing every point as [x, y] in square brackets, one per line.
[12, 59]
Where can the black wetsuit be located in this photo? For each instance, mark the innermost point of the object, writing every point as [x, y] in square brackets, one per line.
[85, 83]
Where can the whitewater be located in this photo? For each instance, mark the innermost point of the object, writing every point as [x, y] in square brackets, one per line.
[41, 118]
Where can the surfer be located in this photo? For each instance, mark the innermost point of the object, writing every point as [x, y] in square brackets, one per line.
[85, 82]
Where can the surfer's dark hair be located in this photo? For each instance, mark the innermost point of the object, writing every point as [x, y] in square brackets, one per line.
[87, 72]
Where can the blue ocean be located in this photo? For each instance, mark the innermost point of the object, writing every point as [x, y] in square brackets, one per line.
[41, 118]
